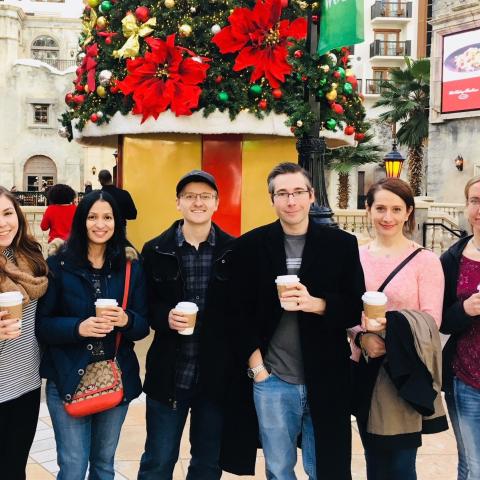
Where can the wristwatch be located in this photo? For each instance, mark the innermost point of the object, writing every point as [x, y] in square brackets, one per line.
[253, 372]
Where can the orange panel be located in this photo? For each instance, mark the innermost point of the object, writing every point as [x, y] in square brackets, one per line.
[222, 157]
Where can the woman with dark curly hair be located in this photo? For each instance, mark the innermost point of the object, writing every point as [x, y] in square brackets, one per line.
[58, 216]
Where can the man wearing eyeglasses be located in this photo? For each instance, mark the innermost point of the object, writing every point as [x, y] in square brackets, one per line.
[293, 375]
[189, 262]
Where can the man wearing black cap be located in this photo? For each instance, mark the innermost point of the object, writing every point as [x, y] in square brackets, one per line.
[189, 262]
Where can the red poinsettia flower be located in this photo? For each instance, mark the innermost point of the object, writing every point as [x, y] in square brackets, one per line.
[167, 76]
[261, 38]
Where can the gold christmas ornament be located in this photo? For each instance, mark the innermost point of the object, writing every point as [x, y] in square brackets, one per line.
[93, 3]
[185, 30]
[331, 95]
[349, 72]
[101, 22]
[169, 3]
[325, 68]
[101, 91]
[86, 89]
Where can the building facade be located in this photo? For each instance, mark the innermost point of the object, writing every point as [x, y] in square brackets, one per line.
[38, 59]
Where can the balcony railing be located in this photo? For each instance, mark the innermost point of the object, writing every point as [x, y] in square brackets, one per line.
[391, 10]
[59, 64]
[373, 86]
[390, 49]
[36, 199]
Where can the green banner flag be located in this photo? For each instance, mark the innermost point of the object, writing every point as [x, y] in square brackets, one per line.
[341, 24]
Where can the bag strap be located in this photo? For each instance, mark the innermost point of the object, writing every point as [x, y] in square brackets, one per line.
[398, 268]
[128, 270]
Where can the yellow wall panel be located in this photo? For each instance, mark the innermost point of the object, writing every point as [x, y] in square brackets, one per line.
[152, 166]
[260, 154]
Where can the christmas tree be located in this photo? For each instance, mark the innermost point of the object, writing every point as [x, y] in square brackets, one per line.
[145, 57]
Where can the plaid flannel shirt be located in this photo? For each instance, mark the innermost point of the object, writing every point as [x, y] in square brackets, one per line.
[196, 268]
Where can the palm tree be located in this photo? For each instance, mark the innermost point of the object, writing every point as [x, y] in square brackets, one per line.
[407, 95]
[344, 159]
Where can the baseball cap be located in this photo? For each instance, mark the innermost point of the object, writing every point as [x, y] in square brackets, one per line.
[196, 176]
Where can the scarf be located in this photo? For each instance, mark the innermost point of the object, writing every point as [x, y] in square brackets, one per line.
[18, 276]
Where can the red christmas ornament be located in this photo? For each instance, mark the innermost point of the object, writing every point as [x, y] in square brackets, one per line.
[79, 87]
[349, 130]
[359, 137]
[78, 99]
[114, 88]
[304, 78]
[337, 108]
[315, 19]
[142, 14]
[277, 93]
[353, 81]
[69, 98]
[336, 74]
[292, 129]
[218, 79]
[108, 40]
[262, 104]
[94, 117]
[298, 54]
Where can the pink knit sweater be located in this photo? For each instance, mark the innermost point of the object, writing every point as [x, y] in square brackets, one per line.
[418, 286]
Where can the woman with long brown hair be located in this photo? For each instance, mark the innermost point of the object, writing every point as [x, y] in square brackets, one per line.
[22, 269]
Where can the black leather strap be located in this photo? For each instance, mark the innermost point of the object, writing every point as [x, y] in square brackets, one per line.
[398, 268]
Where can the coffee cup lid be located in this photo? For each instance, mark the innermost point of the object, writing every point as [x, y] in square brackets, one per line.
[187, 307]
[10, 298]
[106, 302]
[374, 298]
[286, 279]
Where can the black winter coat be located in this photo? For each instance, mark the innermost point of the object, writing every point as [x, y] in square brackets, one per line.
[454, 320]
[330, 270]
[165, 287]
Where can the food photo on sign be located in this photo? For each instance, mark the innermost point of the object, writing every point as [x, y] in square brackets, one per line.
[461, 71]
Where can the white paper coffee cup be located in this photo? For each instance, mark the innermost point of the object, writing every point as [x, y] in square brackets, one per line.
[189, 310]
[374, 306]
[11, 302]
[284, 283]
[102, 304]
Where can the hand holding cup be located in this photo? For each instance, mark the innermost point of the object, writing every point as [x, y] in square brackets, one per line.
[374, 307]
[10, 328]
[97, 327]
[183, 317]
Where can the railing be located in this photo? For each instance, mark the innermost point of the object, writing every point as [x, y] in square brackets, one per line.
[353, 221]
[390, 49]
[33, 199]
[391, 9]
[34, 217]
[453, 210]
[59, 64]
[373, 86]
[440, 232]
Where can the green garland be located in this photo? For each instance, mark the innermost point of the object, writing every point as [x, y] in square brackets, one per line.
[223, 88]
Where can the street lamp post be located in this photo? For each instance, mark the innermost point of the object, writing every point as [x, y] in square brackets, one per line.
[311, 148]
[393, 162]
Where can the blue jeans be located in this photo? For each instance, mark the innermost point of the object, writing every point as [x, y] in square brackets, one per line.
[467, 403]
[164, 432]
[383, 464]
[82, 440]
[283, 415]
[462, 469]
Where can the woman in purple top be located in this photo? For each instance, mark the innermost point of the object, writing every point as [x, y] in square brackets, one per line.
[461, 355]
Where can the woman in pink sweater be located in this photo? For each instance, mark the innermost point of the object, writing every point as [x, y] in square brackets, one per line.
[418, 285]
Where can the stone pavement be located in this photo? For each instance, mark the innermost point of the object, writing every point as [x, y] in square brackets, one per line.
[437, 459]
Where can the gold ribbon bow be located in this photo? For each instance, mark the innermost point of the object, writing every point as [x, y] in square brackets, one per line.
[133, 31]
[88, 25]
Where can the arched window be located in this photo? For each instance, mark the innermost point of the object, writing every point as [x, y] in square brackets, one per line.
[39, 172]
[45, 48]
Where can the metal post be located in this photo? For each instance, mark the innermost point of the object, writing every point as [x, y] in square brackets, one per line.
[311, 147]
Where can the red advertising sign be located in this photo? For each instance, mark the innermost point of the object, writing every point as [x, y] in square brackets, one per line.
[461, 71]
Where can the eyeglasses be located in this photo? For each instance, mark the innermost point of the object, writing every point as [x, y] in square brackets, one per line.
[474, 202]
[204, 197]
[284, 196]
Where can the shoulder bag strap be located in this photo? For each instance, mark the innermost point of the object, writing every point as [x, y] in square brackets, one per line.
[398, 268]
[128, 269]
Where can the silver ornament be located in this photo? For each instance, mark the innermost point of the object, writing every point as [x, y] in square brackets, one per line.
[63, 132]
[193, 10]
[100, 114]
[333, 58]
[104, 77]
[216, 28]
[81, 56]
[299, 123]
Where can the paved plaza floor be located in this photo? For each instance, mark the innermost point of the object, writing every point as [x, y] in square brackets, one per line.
[437, 459]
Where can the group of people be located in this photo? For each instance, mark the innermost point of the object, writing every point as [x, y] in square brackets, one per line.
[262, 369]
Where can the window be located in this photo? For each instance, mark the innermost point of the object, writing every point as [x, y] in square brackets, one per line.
[40, 113]
[45, 48]
[39, 172]
[388, 42]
